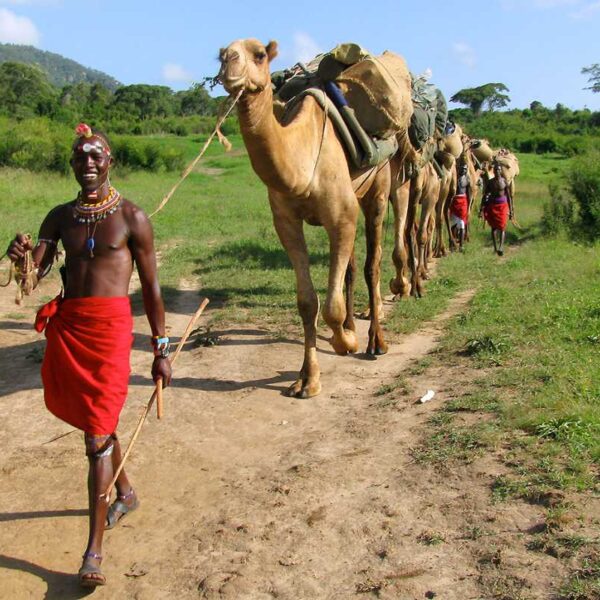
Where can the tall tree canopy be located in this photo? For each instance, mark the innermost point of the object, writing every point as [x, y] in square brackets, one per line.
[144, 101]
[594, 77]
[489, 93]
[195, 101]
[25, 91]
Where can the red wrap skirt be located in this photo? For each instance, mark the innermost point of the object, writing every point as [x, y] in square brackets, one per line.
[86, 368]
[460, 207]
[496, 213]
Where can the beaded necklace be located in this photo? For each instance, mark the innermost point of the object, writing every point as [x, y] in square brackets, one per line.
[89, 213]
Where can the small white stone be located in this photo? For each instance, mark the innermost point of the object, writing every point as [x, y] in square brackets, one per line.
[427, 397]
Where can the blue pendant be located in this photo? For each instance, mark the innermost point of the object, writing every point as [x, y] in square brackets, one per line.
[90, 244]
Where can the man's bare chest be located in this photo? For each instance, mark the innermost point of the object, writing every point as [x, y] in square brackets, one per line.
[105, 237]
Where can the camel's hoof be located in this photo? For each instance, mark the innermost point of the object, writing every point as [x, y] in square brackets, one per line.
[301, 389]
[398, 288]
[365, 315]
[417, 291]
[381, 349]
[399, 297]
[346, 344]
[377, 351]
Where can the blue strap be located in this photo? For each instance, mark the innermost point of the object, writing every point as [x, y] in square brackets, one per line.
[334, 92]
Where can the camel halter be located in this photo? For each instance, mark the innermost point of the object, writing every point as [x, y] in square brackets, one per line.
[222, 139]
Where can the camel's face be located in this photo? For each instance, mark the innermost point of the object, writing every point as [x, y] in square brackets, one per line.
[245, 65]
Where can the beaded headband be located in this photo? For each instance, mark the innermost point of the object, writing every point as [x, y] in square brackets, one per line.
[83, 130]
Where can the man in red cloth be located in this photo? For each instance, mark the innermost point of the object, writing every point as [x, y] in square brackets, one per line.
[497, 207]
[86, 369]
[459, 207]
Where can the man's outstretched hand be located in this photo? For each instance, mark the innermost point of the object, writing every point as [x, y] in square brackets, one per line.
[18, 247]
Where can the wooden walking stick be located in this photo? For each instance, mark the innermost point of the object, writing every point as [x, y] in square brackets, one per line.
[155, 393]
[159, 398]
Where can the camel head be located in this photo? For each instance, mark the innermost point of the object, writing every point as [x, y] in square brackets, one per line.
[245, 65]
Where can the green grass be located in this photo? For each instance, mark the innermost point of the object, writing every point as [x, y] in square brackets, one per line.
[533, 324]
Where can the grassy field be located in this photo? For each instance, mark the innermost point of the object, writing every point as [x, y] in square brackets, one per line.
[532, 329]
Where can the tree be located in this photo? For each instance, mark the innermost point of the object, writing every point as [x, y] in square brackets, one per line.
[594, 77]
[142, 101]
[489, 93]
[195, 101]
[25, 91]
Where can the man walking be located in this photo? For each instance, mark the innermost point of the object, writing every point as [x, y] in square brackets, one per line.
[497, 207]
[86, 369]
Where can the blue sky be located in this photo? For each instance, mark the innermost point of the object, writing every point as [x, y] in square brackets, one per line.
[535, 47]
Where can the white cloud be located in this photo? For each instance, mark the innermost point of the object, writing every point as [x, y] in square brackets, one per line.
[465, 54]
[176, 73]
[17, 30]
[305, 48]
[586, 11]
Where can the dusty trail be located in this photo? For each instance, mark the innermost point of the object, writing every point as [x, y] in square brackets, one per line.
[246, 493]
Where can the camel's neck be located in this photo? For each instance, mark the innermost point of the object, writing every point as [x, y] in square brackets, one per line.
[274, 150]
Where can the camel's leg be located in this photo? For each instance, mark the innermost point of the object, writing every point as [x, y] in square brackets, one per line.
[416, 287]
[373, 206]
[472, 200]
[291, 234]
[350, 280]
[400, 285]
[429, 246]
[429, 202]
[440, 217]
[447, 198]
[341, 246]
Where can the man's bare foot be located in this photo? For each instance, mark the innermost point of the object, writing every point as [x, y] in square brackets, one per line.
[90, 575]
[123, 505]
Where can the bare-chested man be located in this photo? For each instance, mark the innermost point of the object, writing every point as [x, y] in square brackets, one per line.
[459, 207]
[85, 371]
[497, 207]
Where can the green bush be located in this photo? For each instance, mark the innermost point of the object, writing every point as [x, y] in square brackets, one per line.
[584, 184]
[40, 144]
[574, 145]
[558, 214]
[133, 153]
[35, 144]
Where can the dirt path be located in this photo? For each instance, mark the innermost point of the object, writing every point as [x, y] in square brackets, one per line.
[249, 494]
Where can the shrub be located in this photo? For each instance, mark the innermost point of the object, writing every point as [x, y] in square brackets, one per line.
[558, 214]
[584, 184]
[574, 145]
[34, 144]
[133, 153]
[40, 144]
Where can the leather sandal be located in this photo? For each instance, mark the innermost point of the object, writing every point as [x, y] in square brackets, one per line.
[84, 574]
[118, 509]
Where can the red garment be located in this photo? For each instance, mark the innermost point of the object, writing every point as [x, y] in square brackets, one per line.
[460, 207]
[496, 214]
[86, 365]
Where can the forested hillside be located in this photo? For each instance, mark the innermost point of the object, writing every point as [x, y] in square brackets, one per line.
[61, 71]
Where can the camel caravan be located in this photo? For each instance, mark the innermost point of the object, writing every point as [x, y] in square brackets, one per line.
[352, 130]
